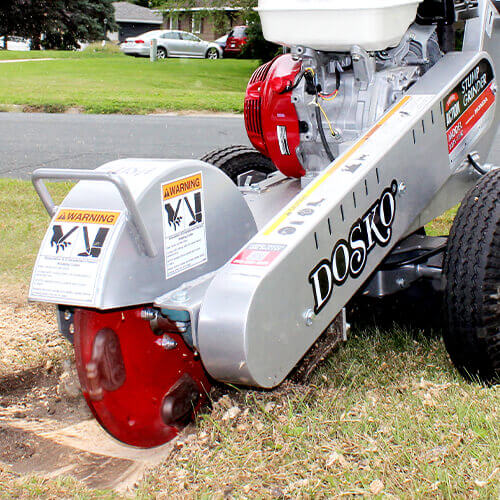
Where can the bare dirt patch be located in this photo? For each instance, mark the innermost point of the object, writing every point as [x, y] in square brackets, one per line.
[46, 428]
[47, 432]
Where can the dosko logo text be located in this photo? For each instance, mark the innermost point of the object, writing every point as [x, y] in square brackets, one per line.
[349, 256]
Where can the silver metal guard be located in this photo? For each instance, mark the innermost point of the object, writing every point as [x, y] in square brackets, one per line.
[132, 263]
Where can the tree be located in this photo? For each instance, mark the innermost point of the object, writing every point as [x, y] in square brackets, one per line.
[80, 21]
[10, 19]
[61, 23]
[257, 47]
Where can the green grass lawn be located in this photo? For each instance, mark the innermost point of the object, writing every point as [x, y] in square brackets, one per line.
[386, 417]
[103, 82]
[23, 222]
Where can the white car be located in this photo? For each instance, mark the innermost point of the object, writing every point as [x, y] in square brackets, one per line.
[16, 43]
[222, 41]
[171, 43]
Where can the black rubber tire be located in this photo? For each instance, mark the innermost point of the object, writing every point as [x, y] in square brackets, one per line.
[214, 51]
[161, 50]
[472, 283]
[236, 160]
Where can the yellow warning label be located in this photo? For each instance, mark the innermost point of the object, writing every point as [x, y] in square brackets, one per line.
[182, 186]
[87, 216]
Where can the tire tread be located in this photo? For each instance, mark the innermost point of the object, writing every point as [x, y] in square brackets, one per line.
[237, 159]
[472, 278]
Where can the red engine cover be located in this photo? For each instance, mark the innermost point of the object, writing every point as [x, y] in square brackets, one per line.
[269, 113]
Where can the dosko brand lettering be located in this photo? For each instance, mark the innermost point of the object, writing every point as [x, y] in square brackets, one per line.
[349, 256]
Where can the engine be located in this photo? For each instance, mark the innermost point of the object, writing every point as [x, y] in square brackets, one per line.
[304, 108]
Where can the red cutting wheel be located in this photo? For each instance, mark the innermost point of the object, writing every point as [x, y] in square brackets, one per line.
[139, 391]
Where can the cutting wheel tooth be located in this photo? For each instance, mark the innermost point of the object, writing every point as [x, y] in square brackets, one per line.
[181, 400]
[106, 370]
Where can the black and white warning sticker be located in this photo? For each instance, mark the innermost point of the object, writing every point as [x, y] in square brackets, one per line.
[184, 232]
[68, 262]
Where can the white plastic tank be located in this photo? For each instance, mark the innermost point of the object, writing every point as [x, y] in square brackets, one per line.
[337, 25]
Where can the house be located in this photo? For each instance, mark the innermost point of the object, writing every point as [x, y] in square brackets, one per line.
[205, 21]
[134, 20]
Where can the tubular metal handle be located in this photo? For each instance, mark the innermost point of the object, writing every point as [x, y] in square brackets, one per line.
[41, 174]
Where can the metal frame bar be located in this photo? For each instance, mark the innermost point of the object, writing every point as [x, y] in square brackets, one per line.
[42, 174]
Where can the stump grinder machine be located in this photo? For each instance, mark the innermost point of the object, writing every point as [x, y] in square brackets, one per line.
[169, 275]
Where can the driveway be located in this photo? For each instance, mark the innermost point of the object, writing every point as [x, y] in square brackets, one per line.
[32, 140]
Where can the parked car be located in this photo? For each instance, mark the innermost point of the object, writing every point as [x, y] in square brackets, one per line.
[222, 41]
[236, 39]
[16, 43]
[171, 43]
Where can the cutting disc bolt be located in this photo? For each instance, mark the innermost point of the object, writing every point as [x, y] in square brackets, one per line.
[309, 317]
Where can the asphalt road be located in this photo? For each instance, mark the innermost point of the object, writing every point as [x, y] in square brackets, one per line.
[32, 140]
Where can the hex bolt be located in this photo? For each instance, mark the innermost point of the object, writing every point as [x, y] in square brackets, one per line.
[400, 282]
[67, 314]
[309, 317]
[148, 314]
[401, 188]
[180, 296]
[167, 342]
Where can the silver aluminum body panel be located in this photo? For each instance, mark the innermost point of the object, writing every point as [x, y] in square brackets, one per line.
[265, 203]
[251, 324]
[254, 318]
[127, 275]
